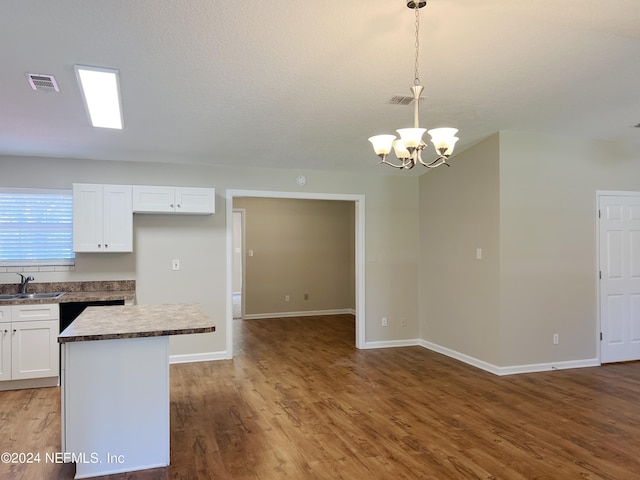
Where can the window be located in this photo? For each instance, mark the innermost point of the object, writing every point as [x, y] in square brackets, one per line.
[36, 227]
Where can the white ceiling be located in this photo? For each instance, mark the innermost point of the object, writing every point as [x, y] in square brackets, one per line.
[303, 84]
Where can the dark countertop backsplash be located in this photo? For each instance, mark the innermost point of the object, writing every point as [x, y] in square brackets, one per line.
[75, 291]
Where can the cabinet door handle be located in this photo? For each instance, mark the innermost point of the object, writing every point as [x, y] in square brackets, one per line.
[14, 330]
[106, 245]
[178, 205]
[99, 245]
[171, 205]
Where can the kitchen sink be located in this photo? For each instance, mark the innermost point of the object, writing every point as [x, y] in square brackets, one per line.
[32, 296]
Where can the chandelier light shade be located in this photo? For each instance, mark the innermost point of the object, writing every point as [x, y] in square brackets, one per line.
[409, 147]
[382, 143]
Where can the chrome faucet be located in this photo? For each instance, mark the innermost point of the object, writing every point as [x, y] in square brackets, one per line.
[24, 282]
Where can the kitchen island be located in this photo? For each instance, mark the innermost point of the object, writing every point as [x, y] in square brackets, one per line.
[115, 385]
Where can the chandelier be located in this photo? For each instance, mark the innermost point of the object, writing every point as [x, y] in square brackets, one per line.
[408, 148]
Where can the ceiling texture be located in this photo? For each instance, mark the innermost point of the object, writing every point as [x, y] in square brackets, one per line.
[303, 84]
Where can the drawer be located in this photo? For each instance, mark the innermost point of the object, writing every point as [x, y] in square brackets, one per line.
[29, 313]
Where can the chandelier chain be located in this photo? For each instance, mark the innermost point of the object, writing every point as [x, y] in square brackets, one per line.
[416, 80]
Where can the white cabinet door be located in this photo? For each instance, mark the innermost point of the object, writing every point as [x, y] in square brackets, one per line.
[195, 200]
[102, 218]
[29, 341]
[117, 218]
[87, 218]
[34, 349]
[150, 199]
[192, 200]
[5, 351]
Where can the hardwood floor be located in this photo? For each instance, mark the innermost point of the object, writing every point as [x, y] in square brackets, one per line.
[300, 402]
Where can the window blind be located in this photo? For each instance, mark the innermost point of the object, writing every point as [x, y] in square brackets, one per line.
[36, 227]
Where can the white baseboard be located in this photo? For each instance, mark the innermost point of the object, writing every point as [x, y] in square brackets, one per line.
[198, 357]
[29, 383]
[391, 344]
[461, 357]
[513, 369]
[469, 360]
[544, 367]
[308, 313]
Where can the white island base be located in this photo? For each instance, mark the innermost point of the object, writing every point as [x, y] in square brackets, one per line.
[115, 405]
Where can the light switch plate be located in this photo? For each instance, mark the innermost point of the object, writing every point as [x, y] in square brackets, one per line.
[175, 264]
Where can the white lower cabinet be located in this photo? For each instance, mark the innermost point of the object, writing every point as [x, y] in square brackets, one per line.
[29, 347]
[34, 349]
[5, 351]
[115, 402]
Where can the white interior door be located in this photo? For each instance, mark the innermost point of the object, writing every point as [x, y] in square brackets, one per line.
[619, 231]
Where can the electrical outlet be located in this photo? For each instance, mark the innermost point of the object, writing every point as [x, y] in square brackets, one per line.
[384, 321]
[286, 298]
[306, 296]
[175, 264]
[556, 339]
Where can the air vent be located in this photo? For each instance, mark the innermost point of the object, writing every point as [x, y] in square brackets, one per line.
[46, 83]
[402, 100]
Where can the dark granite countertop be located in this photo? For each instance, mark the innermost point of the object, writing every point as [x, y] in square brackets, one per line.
[75, 291]
[137, 321]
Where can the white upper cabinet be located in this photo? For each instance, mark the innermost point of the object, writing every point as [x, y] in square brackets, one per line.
[195, 200]
[188, 200]
[102, 218]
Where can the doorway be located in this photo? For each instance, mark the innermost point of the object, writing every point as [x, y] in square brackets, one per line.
[359, 253]
[238, 281]
[619, 275]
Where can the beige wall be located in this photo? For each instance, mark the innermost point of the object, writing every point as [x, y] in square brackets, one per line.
[529, 201]
[459, 295]
[299, 247]
[548, 260]
[391, 238]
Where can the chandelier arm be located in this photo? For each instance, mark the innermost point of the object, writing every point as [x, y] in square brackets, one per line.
[409, 163]
[441, 160]
[384, 160]
[427, 164]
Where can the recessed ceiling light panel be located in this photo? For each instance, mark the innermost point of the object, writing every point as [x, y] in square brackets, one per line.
[100, 89]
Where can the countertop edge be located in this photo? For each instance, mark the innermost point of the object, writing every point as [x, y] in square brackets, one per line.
[121, 336]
